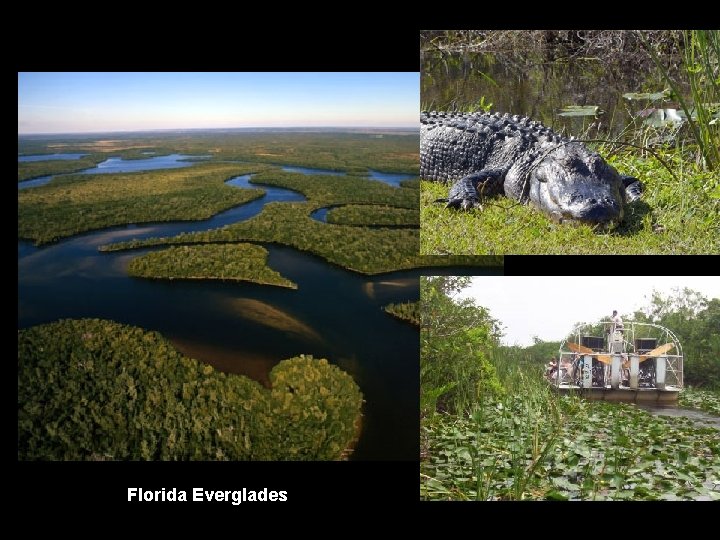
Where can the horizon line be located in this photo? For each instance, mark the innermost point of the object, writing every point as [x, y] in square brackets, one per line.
[239, 128]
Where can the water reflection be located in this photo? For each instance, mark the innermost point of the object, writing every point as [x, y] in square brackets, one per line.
[539, 90]
[118, 164]
[697, 416]
[265, 314]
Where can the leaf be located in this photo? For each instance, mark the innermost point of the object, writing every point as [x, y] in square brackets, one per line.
[651, 96]
[554, 495]
[581, 110]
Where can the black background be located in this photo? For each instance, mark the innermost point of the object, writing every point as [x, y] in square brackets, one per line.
[347, 37]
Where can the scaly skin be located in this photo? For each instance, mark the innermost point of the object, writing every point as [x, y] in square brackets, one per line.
[486, 154]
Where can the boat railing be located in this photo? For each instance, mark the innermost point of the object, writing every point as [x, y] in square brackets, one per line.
[618, 363]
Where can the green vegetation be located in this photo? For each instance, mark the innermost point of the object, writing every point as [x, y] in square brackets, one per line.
[99, 390]
[668, 116]
[703, 400]
[672, 218]
[584, 451]
[492, 429]
[454, 369]
[351, 152]
[78, 203]
[324, 190]
[373, 215]
[407, 311]
[360, 249]
[236, 262]
[695, 320]
[28, 170]
[368, 237]
[701, 55]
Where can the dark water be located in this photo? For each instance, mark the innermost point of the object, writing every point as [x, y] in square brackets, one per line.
[539, 90]
[699, 417]
[48, 157]
[334, 314]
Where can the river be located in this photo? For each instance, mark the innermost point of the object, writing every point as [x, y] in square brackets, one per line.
[247, 328]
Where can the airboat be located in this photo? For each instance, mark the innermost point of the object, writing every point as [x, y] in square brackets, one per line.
[638, 363]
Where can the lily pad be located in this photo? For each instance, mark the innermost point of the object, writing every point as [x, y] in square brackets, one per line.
[581, 110]
[650, 96]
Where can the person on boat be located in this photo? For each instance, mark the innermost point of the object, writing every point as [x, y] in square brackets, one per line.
[615, 337]
[617, 322]
[551, 367]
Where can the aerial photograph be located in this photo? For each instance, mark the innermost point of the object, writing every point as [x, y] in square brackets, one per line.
[570, 142]
[219, 266]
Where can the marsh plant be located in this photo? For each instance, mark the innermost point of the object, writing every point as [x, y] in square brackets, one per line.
[492, 429]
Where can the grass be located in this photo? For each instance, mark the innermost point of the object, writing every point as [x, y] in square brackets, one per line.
[78, 203]
[229, 262]
[671, 218]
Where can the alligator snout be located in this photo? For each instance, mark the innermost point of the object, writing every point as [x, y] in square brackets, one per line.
[597, 210]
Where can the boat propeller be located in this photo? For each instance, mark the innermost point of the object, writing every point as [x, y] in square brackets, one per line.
[606, 358]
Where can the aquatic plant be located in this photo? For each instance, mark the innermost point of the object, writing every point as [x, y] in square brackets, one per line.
[704, 400]
[598, 451]
[701, 66]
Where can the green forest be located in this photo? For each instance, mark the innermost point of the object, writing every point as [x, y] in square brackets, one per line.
[98, 390]
[492, 429]
[77, 203]
[230, 262]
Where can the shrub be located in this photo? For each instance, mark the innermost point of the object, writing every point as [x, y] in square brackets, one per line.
[95, 389]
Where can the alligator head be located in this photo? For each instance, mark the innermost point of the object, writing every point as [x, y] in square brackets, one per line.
[572, 183]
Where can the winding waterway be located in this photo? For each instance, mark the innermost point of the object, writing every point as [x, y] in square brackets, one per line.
[247, 328]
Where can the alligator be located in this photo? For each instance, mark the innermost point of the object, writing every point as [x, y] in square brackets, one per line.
[485, 154]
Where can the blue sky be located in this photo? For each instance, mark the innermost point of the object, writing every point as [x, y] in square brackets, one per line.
[87, 102]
